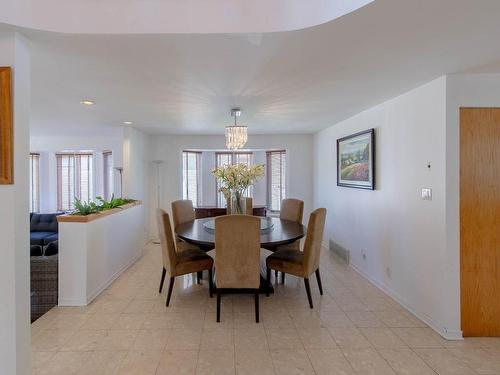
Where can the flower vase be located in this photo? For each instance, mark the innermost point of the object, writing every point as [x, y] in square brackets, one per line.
[237, 206]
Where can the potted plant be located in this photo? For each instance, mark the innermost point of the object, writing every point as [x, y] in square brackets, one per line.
[236, 180]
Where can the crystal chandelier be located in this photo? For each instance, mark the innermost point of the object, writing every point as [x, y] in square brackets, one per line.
[236, 136]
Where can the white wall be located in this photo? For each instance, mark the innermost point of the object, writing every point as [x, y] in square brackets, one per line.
[48, 146]
[137, 172]
[404, 237]
[15, 349]
[169, 150]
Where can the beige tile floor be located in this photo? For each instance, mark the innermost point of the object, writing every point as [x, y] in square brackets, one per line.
[353, 329]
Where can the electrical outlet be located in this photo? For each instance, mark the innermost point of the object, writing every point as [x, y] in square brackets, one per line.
[363, 254]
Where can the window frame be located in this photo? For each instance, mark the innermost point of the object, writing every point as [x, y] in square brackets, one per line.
[34, 159]
[269, 177]
[219, 198]
[77, 187]
[185, 176]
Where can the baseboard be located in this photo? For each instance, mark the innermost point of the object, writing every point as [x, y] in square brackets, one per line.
[445, 333]
[108, 282]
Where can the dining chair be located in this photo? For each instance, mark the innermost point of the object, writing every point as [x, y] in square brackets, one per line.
[248, 206]
[183, 212]
[179, 263]
[302, 263]
[291, 210]
[237, 255]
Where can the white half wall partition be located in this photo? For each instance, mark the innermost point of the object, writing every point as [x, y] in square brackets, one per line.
[92, 254]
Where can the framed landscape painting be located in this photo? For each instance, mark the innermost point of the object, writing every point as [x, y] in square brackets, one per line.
[6, 131]
[356, 160]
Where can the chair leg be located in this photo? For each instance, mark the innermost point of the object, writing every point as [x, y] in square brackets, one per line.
[276, 276]
[170, 287]
[218, 306]
[268, 281]
[257, 306]
[210, 285]
[163, 273]
[282, 277]
[199, 276]
[308, 291]
[318, 279]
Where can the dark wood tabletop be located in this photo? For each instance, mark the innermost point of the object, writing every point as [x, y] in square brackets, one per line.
[282, 233]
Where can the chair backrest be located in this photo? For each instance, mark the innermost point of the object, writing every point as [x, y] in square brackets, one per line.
[237, 251]
[167, 243]
[182, 212]
[314, 237]
[292, 209]
[248, 206]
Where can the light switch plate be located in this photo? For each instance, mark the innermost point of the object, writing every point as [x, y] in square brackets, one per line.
[427, 194]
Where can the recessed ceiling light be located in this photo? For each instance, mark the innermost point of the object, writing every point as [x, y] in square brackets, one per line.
[128, 122]
[87, 102]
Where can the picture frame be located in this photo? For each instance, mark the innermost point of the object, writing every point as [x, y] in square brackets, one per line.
[6, 128]
[356, 160]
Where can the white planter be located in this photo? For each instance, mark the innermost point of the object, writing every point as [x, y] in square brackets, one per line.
[94, 250]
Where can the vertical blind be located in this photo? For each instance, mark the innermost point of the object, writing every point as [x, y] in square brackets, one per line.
[191, 176]
[34, 182]
[74, 179]
[276, 166]
[107, 180]
[230, 158]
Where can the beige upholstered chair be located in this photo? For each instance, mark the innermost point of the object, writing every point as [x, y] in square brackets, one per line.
[291, 210]
[179, 263]
[237, 255]
[182, 212]
[248, 206]
[302, 263]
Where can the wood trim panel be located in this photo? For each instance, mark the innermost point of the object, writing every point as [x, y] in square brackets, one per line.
[6, 128]
[85, 219]
[480, 221]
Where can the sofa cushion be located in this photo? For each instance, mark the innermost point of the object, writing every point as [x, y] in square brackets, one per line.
[35, 250]
[43, 223]
[51, 249]
[38, 238]
[53, 237]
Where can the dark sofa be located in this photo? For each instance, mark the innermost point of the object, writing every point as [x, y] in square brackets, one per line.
[43, 229]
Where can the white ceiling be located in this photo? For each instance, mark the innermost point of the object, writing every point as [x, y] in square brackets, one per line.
[289, 82]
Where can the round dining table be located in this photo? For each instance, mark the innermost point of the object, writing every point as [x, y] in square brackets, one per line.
[278, 232]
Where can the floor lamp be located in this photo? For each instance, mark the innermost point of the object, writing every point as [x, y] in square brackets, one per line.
[157, 164]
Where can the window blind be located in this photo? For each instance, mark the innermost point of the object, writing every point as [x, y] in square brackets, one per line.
[34, 182]
[107, 164]
[276, 167]
[191, 176]
[230, 158]
[74, 179]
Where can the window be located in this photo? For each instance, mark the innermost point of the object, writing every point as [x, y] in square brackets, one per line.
[107, 178]
[74, 179]
[34, 182]
[230, 158]
[276, 166]
[191, 169]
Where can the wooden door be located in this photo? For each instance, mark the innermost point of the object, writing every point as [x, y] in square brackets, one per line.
[480, 221]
